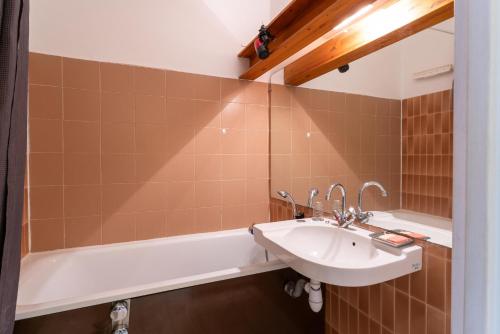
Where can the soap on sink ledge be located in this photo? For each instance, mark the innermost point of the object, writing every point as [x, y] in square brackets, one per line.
[391, 239]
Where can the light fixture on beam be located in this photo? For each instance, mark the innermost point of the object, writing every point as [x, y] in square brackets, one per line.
[387, 19]
[353, 17]
[389, 22]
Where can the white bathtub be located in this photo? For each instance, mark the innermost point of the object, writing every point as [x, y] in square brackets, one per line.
[61, 280]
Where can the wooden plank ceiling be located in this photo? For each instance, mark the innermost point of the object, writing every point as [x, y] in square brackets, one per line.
[304, 21]
[393, 22]
[299, 24]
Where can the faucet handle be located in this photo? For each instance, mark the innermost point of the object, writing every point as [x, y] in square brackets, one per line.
[336, 215]
[347, 218]
[349, 221]
[351, 217]
[363, 216]
[352, 211]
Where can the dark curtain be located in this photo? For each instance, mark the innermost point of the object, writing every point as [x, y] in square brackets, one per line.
[13, 124]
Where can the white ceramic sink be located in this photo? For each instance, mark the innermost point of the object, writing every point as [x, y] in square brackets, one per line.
[329, 254]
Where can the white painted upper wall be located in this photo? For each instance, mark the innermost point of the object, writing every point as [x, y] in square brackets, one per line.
[199, 36]
[378, 74]
[204, 36]
[426, 50]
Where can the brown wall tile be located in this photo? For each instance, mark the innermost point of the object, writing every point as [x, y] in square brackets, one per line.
[387, 293]
[122, 153]
[82, 231]
[187, 216]
[47, 234]
[117, 107]
[427, 151]
[402, 313]
[45, 135]
[81, 137]
[375, 302]
[81, 105]
[180, 85]
[82, 74]
[435, 321]
[150, 225]
[45, 102]
[45, 69]
[80, 201]
[436, 280]
[233, 90]
[117, 138]
[118, 198]
[353, 320]
[46, 169]
[118, 228]
[207, 88]
[149, 81]
[418, 283]
[81, 169]
[118, 168]
[343, 317]
[116, 77]
[150, 109]
[46, 202]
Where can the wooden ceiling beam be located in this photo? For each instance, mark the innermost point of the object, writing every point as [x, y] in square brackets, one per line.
[298, 25]
[394, 21]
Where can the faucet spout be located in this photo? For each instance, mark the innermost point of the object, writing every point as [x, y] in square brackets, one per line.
[312, 193]
[342, 192]
[344, 218]
[361, 215]
[287, 195]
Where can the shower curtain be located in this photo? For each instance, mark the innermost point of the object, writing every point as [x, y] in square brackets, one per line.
[13, 124]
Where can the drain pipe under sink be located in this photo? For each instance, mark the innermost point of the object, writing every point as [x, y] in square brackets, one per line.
[313, 288]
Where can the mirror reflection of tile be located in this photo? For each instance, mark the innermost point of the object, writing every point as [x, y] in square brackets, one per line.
[320, 137]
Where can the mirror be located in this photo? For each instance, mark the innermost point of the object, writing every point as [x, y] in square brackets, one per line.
[393, 124]
[320, 137]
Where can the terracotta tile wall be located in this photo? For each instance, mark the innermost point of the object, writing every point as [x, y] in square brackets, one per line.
[320, 137]
[418, 303]
[121, 153]
[427, 153]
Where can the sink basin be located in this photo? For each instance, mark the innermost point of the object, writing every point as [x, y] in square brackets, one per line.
[333, 255]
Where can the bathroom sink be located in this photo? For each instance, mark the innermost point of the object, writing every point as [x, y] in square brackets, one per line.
[329, 254]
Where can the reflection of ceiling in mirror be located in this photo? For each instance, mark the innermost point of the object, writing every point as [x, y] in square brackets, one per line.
[446, 26]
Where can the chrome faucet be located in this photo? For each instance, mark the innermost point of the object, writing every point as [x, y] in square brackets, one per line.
[364, 216]
[286, 195]
[313, 192]
[344, 218]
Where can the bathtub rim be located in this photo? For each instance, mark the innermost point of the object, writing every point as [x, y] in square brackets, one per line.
[138, 243]
[25, 311]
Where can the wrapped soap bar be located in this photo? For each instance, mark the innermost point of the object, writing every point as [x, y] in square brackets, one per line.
[413, 235]
[391, 239]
